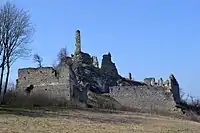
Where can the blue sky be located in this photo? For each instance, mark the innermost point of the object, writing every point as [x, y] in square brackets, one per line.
[145, 37]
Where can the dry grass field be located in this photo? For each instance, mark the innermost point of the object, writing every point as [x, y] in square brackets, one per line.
[79, 121]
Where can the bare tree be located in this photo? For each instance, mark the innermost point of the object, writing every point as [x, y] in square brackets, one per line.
[11, 86]
[15, 33]
[182, 94]
[62, 54]
[38, 59]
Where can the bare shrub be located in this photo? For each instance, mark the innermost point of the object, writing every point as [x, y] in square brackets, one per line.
[190, 106]
[38, 59]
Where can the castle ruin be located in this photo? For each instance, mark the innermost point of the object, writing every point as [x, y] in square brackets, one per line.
[70, 82]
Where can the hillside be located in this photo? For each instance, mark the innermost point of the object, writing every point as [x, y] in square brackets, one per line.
[77, 121]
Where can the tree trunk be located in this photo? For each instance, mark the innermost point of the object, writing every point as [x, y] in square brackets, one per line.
[2, 72]
[6, 84]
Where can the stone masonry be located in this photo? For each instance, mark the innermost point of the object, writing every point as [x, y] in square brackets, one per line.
[151, 96]
[72, 78]
[143, 97]
[54, 85]
[78, 42]
[57, 85]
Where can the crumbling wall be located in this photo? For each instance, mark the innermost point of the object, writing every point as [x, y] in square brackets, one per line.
[43, 96]
[171, 84]
[144, 97]
[36, 76]
[48, 84]
[174, 86]
[149, 81]
[108, 67]
[109, 72]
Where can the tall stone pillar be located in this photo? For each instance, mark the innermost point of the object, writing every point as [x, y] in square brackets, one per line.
[78, 42]
[160, 82]
[130, 76]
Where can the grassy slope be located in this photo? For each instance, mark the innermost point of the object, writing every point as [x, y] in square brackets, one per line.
[77, 121]
[102, 101]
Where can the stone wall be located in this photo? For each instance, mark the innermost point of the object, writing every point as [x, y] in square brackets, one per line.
[45, 75]
[174, 87]
[149, 81]
[44, 95]
[48, 83]
[144, 97]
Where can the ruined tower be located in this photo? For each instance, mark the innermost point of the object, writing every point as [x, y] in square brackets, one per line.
[78, 42]
[129, 76]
